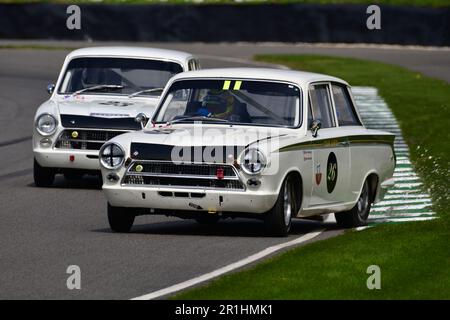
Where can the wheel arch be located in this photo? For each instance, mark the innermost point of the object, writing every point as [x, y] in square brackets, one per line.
[298, 180]
[373, 179]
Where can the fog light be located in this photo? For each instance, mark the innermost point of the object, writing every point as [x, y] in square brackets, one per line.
[46, 142]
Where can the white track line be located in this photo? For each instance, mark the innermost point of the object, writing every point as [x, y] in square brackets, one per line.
[228, 268]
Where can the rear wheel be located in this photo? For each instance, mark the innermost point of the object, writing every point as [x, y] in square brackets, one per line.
[358, 215]
[43, 177]
[121, 219]
[278, 219]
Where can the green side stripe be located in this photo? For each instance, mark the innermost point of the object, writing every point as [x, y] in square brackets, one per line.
[333, 142]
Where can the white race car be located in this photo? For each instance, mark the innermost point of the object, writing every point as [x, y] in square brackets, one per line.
[98, 94]
[262, 143]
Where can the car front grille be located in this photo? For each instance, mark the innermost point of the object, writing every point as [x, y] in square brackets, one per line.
[192, 175]
[84, 139]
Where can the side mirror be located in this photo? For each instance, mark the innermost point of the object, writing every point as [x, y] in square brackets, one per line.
[142, 119]
[50, 88]
[315, 126]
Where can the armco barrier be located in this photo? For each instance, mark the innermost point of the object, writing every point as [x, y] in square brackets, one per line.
[217, 23]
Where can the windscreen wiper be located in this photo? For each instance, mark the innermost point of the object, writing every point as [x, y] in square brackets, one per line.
[98, 87]
[134, 94]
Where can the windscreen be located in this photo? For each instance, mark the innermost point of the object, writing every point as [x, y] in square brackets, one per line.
[122, 75]
[232, 101]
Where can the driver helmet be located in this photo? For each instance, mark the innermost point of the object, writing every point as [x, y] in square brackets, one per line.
[217, 103]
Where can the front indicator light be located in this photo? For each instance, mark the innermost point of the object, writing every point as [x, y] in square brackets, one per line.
[46, 142]
[112, 177]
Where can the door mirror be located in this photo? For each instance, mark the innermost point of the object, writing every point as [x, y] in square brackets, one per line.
[315, 126]
[142, 119]
[50, 88]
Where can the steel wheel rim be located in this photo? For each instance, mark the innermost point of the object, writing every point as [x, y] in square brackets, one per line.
[363, 201]
[287, 205]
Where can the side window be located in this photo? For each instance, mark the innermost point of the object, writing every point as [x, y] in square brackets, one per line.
[321, 105]
[345, 111]
[310, 115]
[193, 65]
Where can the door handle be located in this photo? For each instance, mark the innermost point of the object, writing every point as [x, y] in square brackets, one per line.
[344, 143]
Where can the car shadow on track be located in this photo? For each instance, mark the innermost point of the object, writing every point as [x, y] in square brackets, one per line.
[225, 228]
[87, 182]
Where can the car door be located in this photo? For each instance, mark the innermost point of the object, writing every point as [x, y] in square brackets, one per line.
[331, 153]
[361, 154]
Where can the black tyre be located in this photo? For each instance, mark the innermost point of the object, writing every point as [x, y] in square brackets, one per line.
[278, 219]
[358, 215]
[207, 219]
[73, 175]
[43, 177]
[121, 219]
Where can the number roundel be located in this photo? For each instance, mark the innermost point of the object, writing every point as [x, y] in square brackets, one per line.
[332, 172]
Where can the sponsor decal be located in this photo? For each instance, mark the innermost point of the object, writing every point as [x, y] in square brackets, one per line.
[195, 206]
[318, 174]
[227, 85]
[307, 155]
[332, 172]
[220, 173]
[116, 103]
[109, 115]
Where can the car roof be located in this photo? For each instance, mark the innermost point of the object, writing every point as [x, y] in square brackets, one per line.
[138, 52]
[300, 77]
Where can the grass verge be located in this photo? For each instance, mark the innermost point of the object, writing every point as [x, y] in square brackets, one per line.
[414, 257]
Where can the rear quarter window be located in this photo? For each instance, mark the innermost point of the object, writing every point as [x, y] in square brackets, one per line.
[345, 110]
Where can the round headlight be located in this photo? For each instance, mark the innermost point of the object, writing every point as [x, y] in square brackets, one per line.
[46, 124]
[253, 161]
[112, 156]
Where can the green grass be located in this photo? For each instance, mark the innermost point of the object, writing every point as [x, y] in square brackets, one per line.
[433, 3]
[414, 257]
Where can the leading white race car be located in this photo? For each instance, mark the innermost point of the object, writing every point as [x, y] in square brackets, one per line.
[98, 94]
[263, 143]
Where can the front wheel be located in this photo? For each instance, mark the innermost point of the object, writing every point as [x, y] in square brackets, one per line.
[120, 219]
[358, 215]
[278, 219]
[43, 177]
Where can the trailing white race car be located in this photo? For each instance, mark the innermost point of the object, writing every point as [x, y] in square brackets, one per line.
[263, 143]
[98, 94]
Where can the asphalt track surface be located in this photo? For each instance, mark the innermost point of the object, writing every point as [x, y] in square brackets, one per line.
[44, 230]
